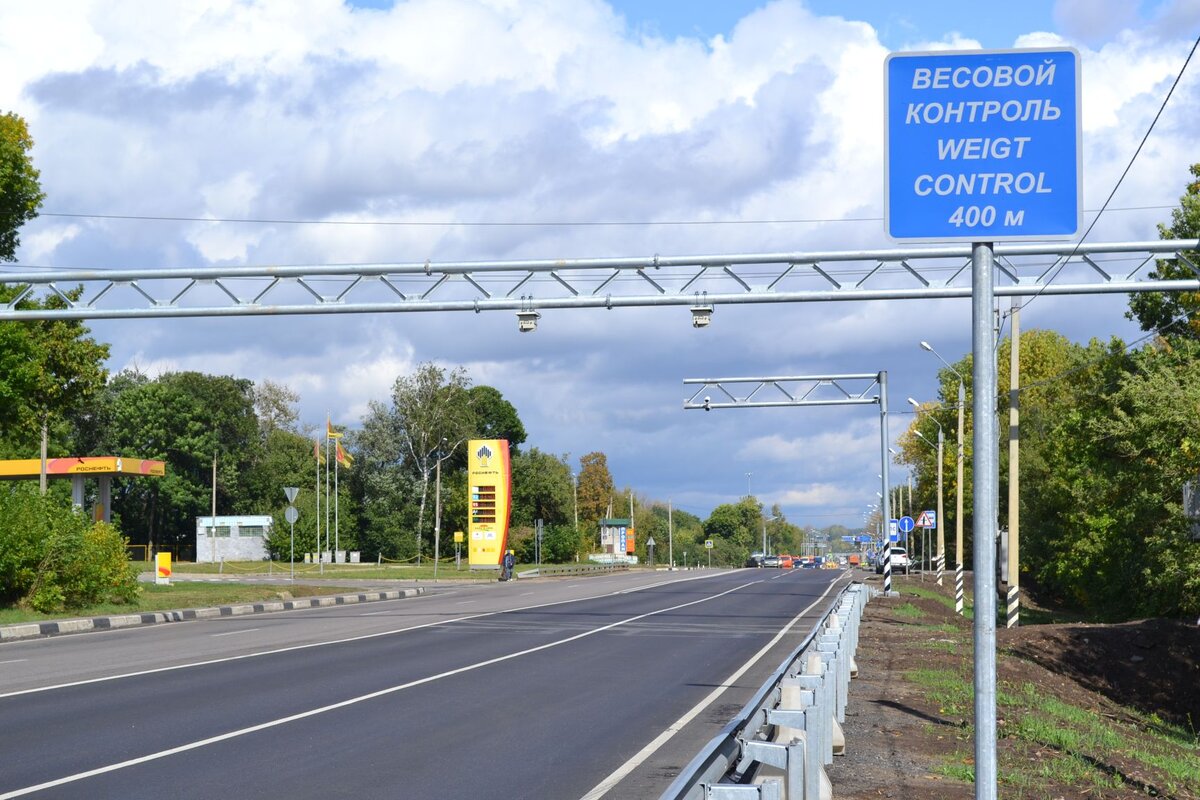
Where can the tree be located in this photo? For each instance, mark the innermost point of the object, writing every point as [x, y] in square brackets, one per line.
[595, 489]
[429, 419]
[495, 417]
[183, 418]
[541, 489]
[739, 524]
[275, 407]
[1174, 313]
[20, 193]
[50, 372]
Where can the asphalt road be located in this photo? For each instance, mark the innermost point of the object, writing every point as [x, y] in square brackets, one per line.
[564, 688]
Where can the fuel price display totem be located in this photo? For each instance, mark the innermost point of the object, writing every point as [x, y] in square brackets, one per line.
[489, 482]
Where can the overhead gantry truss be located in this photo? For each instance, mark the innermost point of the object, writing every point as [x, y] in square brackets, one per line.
[700, 282]
[784, 391]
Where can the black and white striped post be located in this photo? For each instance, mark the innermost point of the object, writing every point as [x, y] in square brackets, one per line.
[887, 565]
[885, 509]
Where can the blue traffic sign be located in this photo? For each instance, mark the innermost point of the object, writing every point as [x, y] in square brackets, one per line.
[906, 524]
[983, 145]
[864, 539]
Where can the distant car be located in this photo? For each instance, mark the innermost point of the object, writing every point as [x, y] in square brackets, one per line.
[899, 561]
[785, 562]
[770, 561]
[755, 560]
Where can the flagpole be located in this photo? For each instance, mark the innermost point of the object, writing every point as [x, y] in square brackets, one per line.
[327, 484]
[336, 463]
[317, 461]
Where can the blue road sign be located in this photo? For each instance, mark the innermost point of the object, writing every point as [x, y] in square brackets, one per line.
[864, 539]
[983, 145]
[849, 539]
[906, 524]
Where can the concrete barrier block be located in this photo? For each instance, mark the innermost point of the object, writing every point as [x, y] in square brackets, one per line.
[75, 625]
[9, 632]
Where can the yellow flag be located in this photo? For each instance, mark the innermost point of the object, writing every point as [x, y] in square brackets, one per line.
[343, 458]
[330, 433]
[317, 452]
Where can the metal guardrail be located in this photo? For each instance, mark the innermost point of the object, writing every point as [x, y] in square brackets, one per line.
[778, 745]
[549, 570]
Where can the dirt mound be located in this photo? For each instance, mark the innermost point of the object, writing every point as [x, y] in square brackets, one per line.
[1151, 665]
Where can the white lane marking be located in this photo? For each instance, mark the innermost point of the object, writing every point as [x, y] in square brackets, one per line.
[292, 648]
[602, 788]
[525, 594]
[464, 602]
[236, 633]
[14, 661]
[344, 703]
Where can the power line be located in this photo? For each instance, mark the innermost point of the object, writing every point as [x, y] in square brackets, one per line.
[502, 223]
[1128, 167]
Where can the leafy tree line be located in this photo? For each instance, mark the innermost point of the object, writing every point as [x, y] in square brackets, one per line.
[1107, 443]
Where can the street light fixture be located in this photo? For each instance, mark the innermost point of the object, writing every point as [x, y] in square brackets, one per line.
[958, 502]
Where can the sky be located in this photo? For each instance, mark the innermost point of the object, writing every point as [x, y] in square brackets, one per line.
[450, 112]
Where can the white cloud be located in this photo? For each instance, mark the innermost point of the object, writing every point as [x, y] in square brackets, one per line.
[817, 495]
[445, 111]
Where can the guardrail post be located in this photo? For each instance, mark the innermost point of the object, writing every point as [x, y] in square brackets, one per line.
[787, 757]
[772, 790]
[793, 724]
[835, 741]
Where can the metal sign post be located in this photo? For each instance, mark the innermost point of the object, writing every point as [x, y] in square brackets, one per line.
[290, 514]
[983, 146]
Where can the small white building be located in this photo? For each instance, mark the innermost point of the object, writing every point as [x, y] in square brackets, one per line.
[232, 538]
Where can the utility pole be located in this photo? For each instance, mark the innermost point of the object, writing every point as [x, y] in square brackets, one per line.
[670, 537]
[212, 530]
[1014, 472]
[437, 511]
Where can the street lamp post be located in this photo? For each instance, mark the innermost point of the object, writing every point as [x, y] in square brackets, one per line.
[958, 502]
[941, 538]
[437, 514]
[748, 492]
[575, 486]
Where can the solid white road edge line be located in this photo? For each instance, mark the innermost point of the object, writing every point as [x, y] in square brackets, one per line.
[633, 763]
[344, 703]
[235, 633]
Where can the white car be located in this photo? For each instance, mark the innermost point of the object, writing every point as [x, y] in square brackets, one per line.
[899, 561]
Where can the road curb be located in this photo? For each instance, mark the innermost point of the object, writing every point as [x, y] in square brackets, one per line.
[34, 630]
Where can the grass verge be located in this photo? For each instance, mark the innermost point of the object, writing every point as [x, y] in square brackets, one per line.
[177, 595]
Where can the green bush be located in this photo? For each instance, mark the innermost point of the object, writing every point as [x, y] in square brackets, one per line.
[53, 558]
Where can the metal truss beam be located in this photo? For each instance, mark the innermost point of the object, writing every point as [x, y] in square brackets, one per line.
[795, 391]
[708, 280]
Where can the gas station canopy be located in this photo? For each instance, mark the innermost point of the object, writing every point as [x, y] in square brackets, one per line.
[29, 468]
[78, 468]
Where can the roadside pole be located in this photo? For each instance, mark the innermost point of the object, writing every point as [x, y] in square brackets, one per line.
[1014, 472]
[986, 453]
